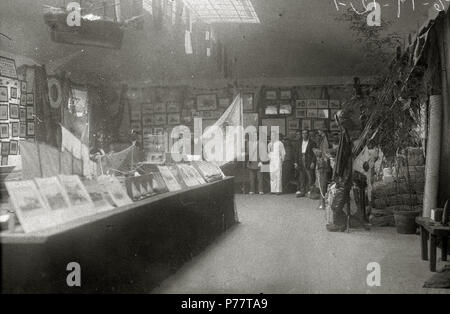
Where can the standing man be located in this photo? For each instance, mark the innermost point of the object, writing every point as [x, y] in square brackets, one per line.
[276, 157]
[305, 163]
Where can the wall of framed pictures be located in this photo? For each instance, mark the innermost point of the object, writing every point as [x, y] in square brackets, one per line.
[17, 110]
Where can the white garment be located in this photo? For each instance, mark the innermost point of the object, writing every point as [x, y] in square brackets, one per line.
[304, 146]
[276, 157]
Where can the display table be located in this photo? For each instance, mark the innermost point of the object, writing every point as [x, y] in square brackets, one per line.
[128, 249]
[429, 229]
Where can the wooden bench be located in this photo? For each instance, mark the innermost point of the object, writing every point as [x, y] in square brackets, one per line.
[433, 230]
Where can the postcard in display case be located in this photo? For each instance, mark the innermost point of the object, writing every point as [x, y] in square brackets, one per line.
[53, 193]
[115, 190]
[169, 179]
[177, 175]
[139, 187]
[32, 211]
[102, 201]
[195, 174]
[158, 184]
[188, 179]
[77, 193]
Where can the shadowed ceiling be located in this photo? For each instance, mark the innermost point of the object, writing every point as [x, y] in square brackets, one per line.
[295, 38]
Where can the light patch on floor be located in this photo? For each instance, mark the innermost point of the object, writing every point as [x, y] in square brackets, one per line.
[281, 246]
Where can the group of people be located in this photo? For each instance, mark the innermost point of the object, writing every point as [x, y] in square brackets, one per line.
[303, 164]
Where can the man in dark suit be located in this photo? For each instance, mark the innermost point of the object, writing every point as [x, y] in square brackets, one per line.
[305, 163]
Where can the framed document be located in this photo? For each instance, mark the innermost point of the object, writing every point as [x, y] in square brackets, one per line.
[4, 93]
[22, 114]
[311, 113]
[322, 104]
[23, 87]
[4, 112]
[285, 94]
[301, 104]
[285, 109]
[13, 93]
[4, 130]
[271, 94]
[30, 113]
[15, 129]
[271, 110]
[13, 111]
[300, 113]
[5, 149]
[323, 113]
[30, 129]
[8, 67]
[312, 104]
[206, 102]
[30, 99]
[23, 99]
[23, 130]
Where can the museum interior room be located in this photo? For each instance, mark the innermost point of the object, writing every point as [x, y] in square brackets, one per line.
[224, 146]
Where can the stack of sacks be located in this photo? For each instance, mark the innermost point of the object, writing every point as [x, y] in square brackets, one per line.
[390, 195]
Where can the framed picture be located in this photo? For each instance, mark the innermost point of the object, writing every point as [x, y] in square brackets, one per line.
[13, 92]
[206, 102]
[322, 104]
[173, 107]
[4, 93]
[23, 130]
[285, 109]
[323, 113]
[300, 113]
[173, 118]
[4, 161]
[301, 104]
[271, 94]
[306, 124]
[30, 99]
[23, 99]
[312, 104]
[30, 128]
[15, 130]
[271, 110]
[13, 111]
[285, 94]
[4, 130]
[4, 112]
[23, 87]
[280, 123]
[159, 107]
[334, 104]
[8, 67]
[224, 102]
[319, 125]
[159, 119]
[5, 149]
[30, 113]
[311, 113]
[247, 100]
[13, 147]
[294, 124]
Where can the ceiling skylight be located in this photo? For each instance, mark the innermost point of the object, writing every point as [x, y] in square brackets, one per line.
[223, 11]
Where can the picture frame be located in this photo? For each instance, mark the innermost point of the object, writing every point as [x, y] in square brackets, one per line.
[13, 111]
[285, 109]
[300, 113]
[206, 102]
[301, 104]
[271, 110]
[271, 94]
[159, 119]
[173, 107]
[4, 130]
[4, 94]
[173, 118]
[323, 113]
[22, 114]
[311, 113]
[30, 99]
[13, 92]
[306, 124]
[159, 107]
[312, 104]
[224, 102]
[4, 161]
[30, 113]
[294, 124]
[248, 102]
[14, 147]
[23, 87]
[319, 125]
[23, 130]
[5, 149]
[15, 129]
[30, 129]
[285, 94]
[334, 104]
[23, 99]
[322, 104]
[4, 109]
[8, 67]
